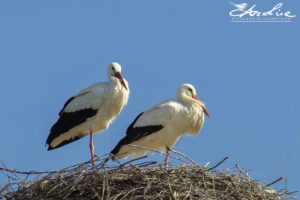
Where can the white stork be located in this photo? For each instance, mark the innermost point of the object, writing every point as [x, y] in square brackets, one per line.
[90, 111]
[162, 125]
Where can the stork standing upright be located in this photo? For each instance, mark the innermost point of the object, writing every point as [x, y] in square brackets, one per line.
[163, 124]
[90, 111]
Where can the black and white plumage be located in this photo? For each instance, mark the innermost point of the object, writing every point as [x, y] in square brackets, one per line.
[162, 125]
[90, 111]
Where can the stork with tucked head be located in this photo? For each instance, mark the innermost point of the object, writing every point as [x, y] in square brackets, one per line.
[90, 111]
[163, 124]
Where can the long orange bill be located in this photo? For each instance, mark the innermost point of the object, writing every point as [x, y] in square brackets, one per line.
[203, 107]
[205, 111]
[119, 76]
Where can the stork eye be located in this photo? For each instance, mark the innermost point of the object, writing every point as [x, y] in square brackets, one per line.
[113, 69]
[190, 90]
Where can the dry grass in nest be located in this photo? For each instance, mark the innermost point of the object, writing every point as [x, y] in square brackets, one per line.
[146, 180]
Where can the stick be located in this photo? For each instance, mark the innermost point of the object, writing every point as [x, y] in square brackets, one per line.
[246, 174]
[158, 152]
[219, 163]
[279, 179]
[132, 161]
[184, 156]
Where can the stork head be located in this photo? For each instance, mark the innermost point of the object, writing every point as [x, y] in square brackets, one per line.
[114, 73]
[186, 93]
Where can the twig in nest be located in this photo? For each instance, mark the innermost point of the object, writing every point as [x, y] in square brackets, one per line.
[289, 193]
[130, 161]
[132, 191]
[206, 164]
[177, 152]
[133, 145]
[245, 173]
[219, 163]
[279, 179]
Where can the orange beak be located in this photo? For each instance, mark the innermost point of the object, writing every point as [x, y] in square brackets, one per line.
[203, 107]
[119, 76]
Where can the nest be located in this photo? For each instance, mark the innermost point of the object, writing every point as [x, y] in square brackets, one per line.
[145, 180]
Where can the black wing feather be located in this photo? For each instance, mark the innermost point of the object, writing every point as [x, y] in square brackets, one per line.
[65, 142]
[67, 121]
[135, 133]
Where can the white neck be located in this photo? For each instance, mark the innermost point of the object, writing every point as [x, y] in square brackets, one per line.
[113, 80]
[187, 100]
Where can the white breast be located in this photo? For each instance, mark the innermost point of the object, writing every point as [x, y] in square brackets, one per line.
[115, 100]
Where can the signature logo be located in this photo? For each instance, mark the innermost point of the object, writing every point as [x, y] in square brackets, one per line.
[244, 13]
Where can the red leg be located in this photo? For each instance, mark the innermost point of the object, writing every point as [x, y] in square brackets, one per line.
[167, 158]
[92, 150]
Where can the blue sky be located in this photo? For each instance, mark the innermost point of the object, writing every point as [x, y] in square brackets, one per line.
[247, 73]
